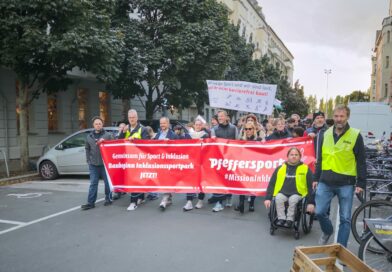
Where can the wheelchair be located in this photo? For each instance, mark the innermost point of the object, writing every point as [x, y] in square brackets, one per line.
[301, 218]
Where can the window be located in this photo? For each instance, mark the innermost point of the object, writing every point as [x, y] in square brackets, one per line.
[17, 109]
[386, 90]
[244, 31]
[82, 108]
[52, 113]
[388, 36]
[104, 107]
[251, 38]
[387, 62]
[77, 140]
[239, 23]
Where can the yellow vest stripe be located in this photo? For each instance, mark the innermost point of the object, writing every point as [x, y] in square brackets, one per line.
[340, 157]
[136, 135]
[300, 179]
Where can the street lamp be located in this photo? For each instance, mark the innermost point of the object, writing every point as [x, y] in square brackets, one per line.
[327, 73]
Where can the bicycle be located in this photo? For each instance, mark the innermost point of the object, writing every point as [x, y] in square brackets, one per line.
[377, 208]
[378, 237]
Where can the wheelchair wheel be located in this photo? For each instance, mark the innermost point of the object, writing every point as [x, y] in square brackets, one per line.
[307, 219]
[272, 212]
[272, 230]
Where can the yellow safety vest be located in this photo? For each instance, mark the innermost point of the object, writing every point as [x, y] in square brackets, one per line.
[340, 157]
[300, 179]
[136, 135]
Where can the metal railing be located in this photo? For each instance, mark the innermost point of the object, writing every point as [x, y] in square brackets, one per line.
[6, 163]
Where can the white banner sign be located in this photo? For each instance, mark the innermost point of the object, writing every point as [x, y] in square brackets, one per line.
[242, 96]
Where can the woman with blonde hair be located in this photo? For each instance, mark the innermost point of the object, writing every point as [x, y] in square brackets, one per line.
[250, 134]
[280, 132]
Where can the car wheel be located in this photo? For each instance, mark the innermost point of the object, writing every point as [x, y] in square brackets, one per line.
[48, 170]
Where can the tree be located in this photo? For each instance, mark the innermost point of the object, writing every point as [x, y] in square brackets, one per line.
[293, 99]
[322, 106]
[173, 46]
[329, 108]
[358, 96]
[43, 40]
[339, 100]
[312, 102]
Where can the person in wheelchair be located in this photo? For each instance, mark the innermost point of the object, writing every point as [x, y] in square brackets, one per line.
[292, 181]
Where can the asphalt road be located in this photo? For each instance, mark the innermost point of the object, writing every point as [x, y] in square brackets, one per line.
[43, 229]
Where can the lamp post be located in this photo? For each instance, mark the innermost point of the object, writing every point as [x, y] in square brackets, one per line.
[327, 73]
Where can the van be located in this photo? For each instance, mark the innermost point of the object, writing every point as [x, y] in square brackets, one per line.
[374, 119]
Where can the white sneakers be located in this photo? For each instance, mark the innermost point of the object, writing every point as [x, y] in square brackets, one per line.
[199, 204]
[188, 206]
[166, 200]
[132, 207]
[218, 207]
[228, 202]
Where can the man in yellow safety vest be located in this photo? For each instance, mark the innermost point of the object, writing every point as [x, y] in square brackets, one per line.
[340, 170]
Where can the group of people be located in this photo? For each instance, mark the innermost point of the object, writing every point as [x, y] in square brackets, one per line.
[340, 167]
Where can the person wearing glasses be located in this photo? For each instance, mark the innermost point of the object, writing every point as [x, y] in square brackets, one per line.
[250, 134]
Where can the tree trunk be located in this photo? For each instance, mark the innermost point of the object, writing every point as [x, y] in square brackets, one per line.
[23, 126]
[125, 108]
[149, 110]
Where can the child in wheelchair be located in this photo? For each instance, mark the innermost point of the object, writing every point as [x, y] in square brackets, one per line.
[291, 182]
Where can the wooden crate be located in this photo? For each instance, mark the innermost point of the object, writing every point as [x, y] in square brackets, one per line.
[329, 255]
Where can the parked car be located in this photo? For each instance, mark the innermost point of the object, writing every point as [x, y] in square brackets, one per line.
[68, 157]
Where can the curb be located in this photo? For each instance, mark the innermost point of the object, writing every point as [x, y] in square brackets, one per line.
[18, 179]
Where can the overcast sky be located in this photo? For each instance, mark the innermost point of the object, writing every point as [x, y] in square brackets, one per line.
[328, 34]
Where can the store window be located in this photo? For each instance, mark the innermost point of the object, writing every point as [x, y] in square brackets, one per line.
[104, 99]
[82, 108]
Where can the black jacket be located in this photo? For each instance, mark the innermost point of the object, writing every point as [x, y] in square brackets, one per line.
[228, 131]
[93, 153]
[279, 135]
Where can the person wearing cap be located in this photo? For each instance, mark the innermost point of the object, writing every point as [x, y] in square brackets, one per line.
[340, 171]
[95, 163]
[179, 131]
[319, 126]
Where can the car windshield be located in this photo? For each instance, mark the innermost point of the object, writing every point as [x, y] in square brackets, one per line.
[77, 140]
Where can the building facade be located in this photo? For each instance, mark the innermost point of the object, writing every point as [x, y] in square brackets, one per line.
[248, 15]
[381, 77]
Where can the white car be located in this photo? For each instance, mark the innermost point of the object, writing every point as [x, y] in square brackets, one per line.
[68, 157]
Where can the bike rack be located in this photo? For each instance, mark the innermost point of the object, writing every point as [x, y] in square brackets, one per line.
[6, 163]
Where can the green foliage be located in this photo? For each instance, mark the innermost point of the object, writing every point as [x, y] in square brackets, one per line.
[312, 102]
[42, 40]
[358, 96]
[172, 47]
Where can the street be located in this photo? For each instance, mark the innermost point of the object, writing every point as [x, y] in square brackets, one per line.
[43, 229]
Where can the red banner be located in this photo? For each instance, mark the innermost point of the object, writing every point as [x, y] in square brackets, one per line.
[211, 165]
[240, 167]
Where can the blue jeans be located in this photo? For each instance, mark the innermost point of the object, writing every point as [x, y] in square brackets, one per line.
[324, 195]
[97, 171]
